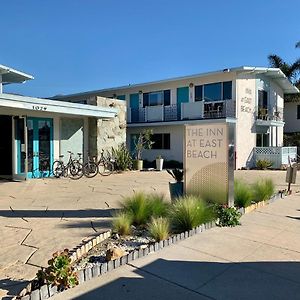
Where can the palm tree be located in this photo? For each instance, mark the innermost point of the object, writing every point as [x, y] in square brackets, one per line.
[291, 71]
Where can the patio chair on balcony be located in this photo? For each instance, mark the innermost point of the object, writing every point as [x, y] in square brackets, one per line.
[263, 113]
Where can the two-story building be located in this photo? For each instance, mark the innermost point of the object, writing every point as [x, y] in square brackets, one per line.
[36, 131]
[252, 96]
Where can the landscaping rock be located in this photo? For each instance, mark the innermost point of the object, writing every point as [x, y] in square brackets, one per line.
[114, 253]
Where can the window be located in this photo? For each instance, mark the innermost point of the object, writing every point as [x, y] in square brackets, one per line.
[262, 99]
[198, 92]
[227, 90]
[161, 141]
[213, 91]
[157, 98]
[298, 112]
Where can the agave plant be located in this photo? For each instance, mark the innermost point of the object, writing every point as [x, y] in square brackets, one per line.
[177, 174]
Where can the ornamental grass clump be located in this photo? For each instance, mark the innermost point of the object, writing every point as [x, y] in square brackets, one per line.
[159, 228]
[263, 190]
[188, 212]
[122, 223]
[243, 195]
[138, 208]
[158, 207]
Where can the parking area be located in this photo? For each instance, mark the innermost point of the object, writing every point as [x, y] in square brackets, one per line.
[39, 217]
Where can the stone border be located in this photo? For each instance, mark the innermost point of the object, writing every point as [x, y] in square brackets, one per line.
[79, 251]
[252, 207]
[99, 269]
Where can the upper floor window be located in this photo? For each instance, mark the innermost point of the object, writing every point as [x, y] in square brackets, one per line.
[214, 91]
[262, 99]
[157, 98]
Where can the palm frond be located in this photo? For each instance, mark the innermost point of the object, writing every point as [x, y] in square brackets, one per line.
[298, 45]
[275, 61]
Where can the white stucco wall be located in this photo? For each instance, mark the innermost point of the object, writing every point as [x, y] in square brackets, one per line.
[292, 124]
[173, 87]
[245, 109]
[176, 142]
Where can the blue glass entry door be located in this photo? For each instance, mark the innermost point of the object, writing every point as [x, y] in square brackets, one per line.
[39, 147]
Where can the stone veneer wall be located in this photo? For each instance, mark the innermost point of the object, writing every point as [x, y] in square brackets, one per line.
[107, 133]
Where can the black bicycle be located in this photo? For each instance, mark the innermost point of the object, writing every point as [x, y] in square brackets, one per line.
[90, 168]
[105, 166]
[73, 168]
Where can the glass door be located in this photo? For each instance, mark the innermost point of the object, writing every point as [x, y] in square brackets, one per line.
[40, 147]
[19, 149]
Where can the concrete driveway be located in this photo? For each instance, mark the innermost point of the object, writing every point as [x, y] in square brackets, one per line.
[39, 217]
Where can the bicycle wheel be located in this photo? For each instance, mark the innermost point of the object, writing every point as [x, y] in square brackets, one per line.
[105, 169]
[58, 169]
[90, 169]
[75, 170]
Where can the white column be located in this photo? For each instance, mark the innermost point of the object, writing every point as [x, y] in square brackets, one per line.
[191, 93]
[1, 86]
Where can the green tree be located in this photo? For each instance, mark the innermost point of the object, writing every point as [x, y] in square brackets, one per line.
[291, 70]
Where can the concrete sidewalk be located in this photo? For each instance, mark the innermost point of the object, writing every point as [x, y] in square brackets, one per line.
[258, 260]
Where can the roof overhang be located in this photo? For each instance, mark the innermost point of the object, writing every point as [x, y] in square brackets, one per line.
[276, 75]
[51, 106]
[10, 75]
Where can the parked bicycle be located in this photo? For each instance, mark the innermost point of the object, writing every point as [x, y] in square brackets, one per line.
[73, 168]
[105, 166]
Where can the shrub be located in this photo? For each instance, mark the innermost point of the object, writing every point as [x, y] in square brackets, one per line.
[123, 159]
[138, 207]
[227, 216]
[177, 174]
[158, 207]
[242, 194]
[263, 164]
[142, 207]
[59, 272]
[188, 212]
[122, 223]
[263, 190]
[159, 228]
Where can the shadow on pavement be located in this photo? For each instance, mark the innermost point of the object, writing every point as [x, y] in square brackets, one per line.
[81, 213]
[12, 287]
[165, 279]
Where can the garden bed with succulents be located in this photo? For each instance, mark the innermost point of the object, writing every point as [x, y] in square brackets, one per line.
[145, 224]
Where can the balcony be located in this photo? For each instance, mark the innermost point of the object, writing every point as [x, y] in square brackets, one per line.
[186, 111]
[269, 116]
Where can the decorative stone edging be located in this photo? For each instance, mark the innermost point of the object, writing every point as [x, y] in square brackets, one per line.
[252, 207]
[98, 269]
[86, 274]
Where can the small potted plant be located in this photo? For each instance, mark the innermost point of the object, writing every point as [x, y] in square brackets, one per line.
[176, 188]
[159, 163]
[142, 142]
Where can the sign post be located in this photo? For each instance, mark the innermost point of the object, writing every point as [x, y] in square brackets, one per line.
[209, 161]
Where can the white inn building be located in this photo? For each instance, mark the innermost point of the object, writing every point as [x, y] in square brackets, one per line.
[252, 96]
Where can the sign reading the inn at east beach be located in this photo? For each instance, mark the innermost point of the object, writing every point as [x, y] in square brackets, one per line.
[209, 156]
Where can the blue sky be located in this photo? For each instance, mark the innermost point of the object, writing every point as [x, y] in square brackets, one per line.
[72, 46]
